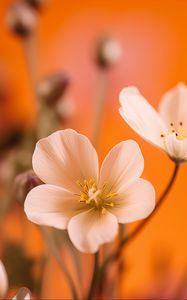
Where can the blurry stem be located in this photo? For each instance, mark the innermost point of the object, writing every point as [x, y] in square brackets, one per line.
[94, 277]
[129, 238]
[55, 252]
[100, 101]
[121, 232]
[30, 57]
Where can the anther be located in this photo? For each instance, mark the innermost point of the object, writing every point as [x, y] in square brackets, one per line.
[180, 123]
[162, 135]
[171, 124]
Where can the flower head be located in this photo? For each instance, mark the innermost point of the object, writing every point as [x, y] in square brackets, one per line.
[79, 198]
[167, 129]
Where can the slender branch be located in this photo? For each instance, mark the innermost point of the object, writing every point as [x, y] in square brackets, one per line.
[31, 60]
[100, 101]
[140, 227]
[55, 252]
[94, 278]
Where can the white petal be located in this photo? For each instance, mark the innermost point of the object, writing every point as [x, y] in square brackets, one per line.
[173, 106]
[51, 205]
[91, 229]
[141, 116]
[176, 149]
[65, 157]
[123, 164]
[3, 280]
[136, 203]
[23, 294]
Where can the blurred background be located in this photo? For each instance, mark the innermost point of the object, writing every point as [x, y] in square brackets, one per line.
[152, 36]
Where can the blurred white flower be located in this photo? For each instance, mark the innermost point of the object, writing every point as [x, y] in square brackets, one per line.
[167, 128]
[3, 280]
[77, 198]
[23, 293]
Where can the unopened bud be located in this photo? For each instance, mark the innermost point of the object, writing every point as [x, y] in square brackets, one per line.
[21, 19]
[51, 89]
[65, 109]
[24, 183]
[23, 294]
[108, 52]
[36, 4]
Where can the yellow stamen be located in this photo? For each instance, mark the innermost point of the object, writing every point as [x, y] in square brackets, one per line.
[94, 197]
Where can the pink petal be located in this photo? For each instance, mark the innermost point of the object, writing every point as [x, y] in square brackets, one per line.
[173, 106]
[3, 280]
[65, 157]
[91, 229]
[51, 205]
[141, 116]
[176, 149]
[123, 164]
[136, 203]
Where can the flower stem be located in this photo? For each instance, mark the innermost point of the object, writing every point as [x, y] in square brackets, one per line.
[94, 277]
[55, 252]
[100, 101]
[129, 238]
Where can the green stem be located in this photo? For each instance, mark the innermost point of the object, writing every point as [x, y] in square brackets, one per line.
[55, 252]
[94, 277]
[139, 228]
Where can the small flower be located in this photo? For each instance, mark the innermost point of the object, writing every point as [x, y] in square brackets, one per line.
[3, 280]
[78, 198]
[166, 129]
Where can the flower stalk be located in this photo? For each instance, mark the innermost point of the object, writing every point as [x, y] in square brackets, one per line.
[129, 238]
[56, 254]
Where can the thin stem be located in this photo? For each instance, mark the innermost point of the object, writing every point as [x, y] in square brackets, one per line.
[100, 101]
[55, 252]
[30, 58]
[140, 227]
[94, 277]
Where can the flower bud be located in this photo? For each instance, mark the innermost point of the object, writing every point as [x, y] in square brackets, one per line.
[23, 294]
[51, 89]
[36, 4]
[24, 183]
[65, 109]
[21, 19]
[108, 52]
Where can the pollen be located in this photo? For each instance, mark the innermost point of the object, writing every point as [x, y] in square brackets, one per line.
[98, 199]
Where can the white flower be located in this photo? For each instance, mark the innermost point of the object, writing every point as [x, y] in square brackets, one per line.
[167, 128]
[78, 198]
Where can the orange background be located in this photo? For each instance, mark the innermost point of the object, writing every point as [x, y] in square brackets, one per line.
[153, 36]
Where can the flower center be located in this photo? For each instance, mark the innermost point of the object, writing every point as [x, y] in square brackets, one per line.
[179, 130]
[99, 199]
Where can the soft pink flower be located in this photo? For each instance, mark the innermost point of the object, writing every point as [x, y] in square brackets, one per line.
[167, 128]
[3, 280]
[78, 198]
